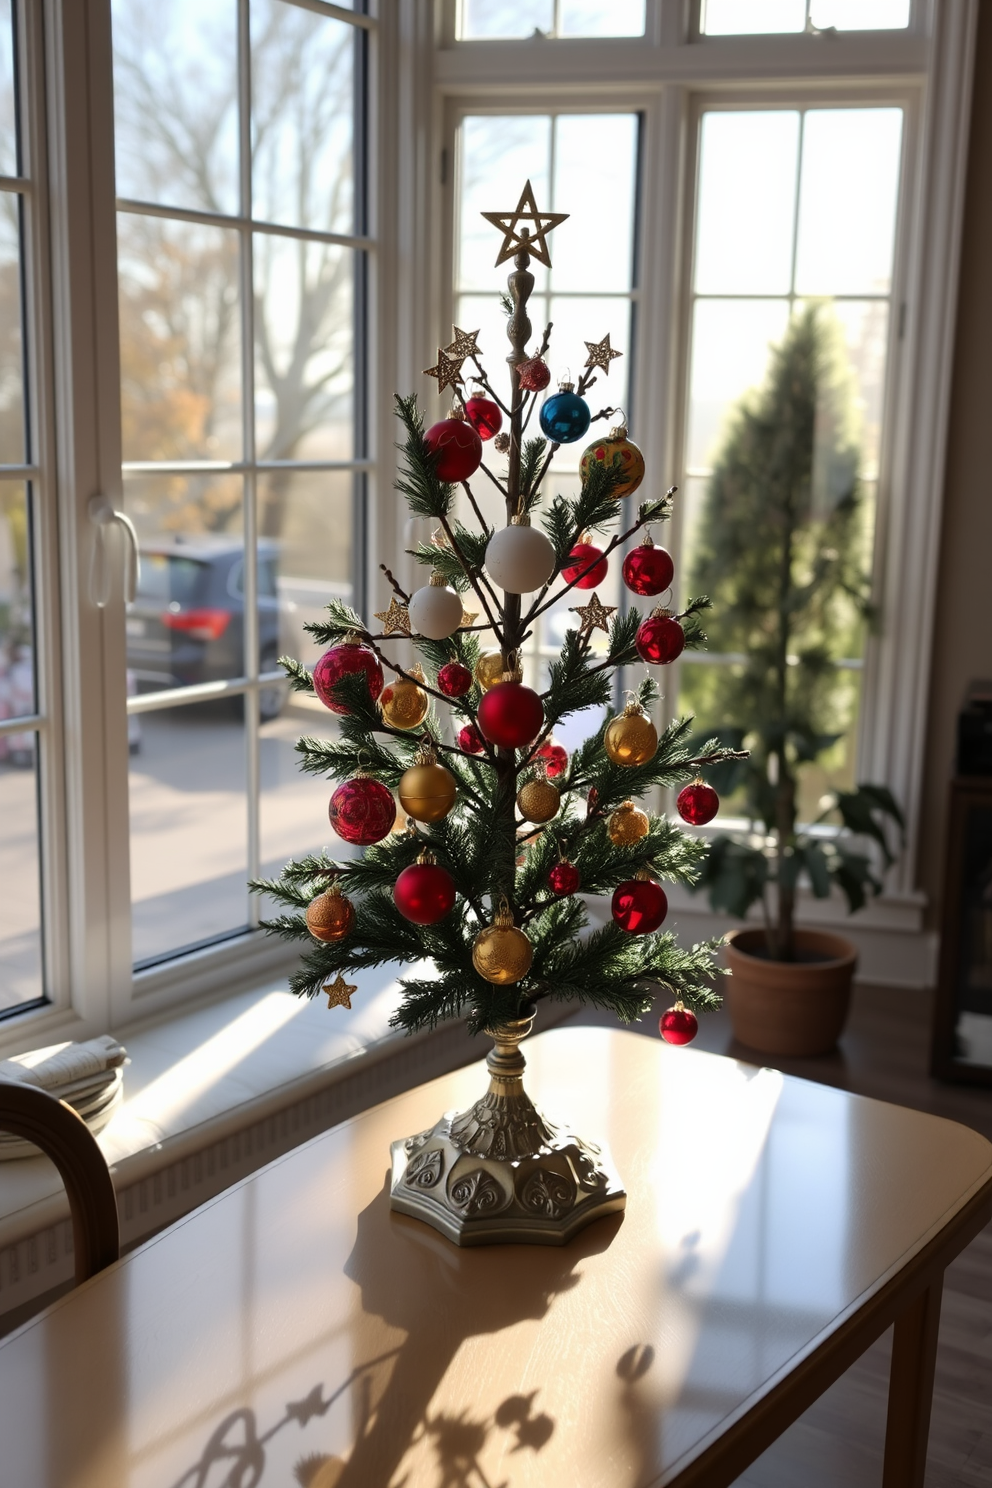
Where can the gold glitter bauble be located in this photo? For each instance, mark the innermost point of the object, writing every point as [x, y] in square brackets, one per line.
[427, 791]
[538, 800]
[628, 825]
[489, 669]
[404, 705]
[631, 738]
[502, 954]
[330, 916]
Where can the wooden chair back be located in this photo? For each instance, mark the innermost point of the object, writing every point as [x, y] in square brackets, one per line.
[35, 1116]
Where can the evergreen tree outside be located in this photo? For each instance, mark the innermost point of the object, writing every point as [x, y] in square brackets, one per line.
[783, 550]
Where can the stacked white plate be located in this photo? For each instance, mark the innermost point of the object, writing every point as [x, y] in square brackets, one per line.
[89, 1077]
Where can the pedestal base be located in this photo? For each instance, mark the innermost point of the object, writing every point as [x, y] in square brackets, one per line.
[500, 1173]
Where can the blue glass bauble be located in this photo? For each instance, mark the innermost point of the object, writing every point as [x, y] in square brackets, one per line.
[565, 417]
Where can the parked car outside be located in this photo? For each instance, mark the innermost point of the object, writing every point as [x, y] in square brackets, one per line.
[186, 624]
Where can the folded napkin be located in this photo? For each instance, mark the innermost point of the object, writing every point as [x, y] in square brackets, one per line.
[69, 1071]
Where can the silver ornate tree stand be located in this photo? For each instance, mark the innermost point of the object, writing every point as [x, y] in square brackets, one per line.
[499, 1172]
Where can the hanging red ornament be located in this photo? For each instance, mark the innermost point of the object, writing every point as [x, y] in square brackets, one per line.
[555, 758]
[510, 715]
[563, 879]
[424, 893]
[470, 739]
[660, 638]
[484, 415]
[678, 1025]
[588, 561]
[534, 375]
[648, 569]
[457, 446]
[341, 661]
[362, 810]
[698, 803]
[454, 680]
[639, 905]
[618, 452]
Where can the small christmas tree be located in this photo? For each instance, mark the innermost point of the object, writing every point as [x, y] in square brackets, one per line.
[503, 829]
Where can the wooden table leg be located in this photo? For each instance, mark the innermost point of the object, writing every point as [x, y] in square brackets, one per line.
[914, 1353]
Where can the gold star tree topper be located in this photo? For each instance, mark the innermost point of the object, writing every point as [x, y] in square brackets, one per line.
[448, 371]
[395, 620]
[601, 353]
[517, 239]
[339, 992]
[594, 616]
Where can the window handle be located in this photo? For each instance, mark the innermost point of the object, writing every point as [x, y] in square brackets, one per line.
[102, 514]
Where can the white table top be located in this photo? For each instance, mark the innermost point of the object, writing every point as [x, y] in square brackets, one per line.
[297, 1324]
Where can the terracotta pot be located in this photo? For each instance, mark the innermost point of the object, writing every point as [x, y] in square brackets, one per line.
[789, 1007]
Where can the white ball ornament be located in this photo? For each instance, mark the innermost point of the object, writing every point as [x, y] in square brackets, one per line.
[520, 558]
[435, 610]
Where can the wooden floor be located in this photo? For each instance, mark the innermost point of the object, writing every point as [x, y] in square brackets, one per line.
[839, 1442]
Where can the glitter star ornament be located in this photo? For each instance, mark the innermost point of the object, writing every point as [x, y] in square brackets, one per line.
[601, 354]
[465, 344]
[468, 619]
[339, 992]
[395, 620]
[448, 371]
[523, 240]
[593, 616]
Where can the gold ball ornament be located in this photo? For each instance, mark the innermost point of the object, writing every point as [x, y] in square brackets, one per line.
[537, 799]
[628, 824]
[330, 916]
[501, 953]
[404, 705]
[616, 448]
[427, 791]
[489, 669]
[631, 738]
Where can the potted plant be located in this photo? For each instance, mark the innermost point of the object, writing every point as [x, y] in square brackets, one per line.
[783, 550]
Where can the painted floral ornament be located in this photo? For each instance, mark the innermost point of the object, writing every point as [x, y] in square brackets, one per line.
[615, 451]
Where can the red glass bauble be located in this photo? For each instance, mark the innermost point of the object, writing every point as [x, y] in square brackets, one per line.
[338, 662]
[454, 680]
[698, 804]
[424, 893]
[639, 905]
[648, 570]
[511, 715]
[534, 375]
[555, 757]
[470, 739]
[362, 811]
[659, 639]
[484, 416]
[563, 879]
[678, 1026]
[584, 554]
[458, 449]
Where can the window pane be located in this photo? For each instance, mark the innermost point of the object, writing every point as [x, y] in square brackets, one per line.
[498, 154]
[180, 340]
[11, 345]
[847, 206]
[865, 328]
[305, 559]
[730, 342]
[302, 102]
[8, 120]
[599, 18]
[186, 624]
[737, 17]
[479, 19]
[294, 806]
[860, 15]
[17, 682]
[747, 194]
[595, 164]
[577, 321]
[175, 102]
[20, 865]
[304, 349]
[189, 849]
